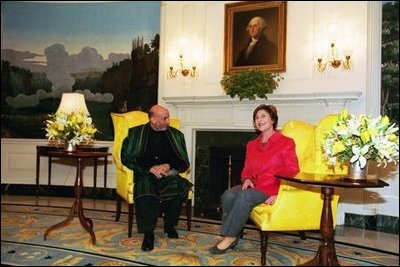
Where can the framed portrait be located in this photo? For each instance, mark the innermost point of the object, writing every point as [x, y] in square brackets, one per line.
[255, 36]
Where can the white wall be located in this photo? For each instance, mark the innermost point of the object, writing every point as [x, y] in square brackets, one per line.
[201, 24]
[304, 93]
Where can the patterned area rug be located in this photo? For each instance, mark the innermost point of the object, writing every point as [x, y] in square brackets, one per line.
[22, 243]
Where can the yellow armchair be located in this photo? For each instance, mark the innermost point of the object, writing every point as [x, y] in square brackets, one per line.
[298, 207]
[125, 176]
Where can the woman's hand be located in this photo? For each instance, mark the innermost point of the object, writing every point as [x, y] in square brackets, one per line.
[270, 200]
[247, 183]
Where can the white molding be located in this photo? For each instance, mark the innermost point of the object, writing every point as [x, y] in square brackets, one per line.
[325, 98]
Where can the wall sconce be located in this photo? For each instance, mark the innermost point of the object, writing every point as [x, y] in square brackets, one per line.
[181, 70]
[334, 61]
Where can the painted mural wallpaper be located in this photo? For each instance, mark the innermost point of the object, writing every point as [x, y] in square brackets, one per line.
[109, 51]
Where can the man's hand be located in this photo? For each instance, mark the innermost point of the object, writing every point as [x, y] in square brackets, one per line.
[160, 170]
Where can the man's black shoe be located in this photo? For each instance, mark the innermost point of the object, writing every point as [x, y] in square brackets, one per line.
[171, 232]
[148, 241]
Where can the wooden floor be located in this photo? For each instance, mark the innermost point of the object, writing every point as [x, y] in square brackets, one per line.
[377, 240]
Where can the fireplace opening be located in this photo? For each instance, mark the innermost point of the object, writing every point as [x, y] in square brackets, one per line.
[219, 162]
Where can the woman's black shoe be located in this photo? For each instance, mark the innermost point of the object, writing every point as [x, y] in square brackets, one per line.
[148, 241]
[216, 250]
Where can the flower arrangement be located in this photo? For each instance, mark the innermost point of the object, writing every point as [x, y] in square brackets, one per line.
[361, 138]
[73, 128]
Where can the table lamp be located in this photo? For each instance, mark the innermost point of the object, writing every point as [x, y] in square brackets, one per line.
[72, 102]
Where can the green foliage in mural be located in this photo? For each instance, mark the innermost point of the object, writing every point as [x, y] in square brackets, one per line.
[21, 81]
[132, 82]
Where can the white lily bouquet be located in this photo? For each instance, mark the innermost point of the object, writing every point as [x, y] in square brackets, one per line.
[361, 138]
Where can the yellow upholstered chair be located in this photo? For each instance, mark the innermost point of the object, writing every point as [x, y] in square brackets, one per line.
[298, 207]
[125, 176]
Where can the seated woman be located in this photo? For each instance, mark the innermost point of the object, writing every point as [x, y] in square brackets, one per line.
[269, 154]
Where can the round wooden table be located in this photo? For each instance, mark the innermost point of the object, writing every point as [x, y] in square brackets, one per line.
[326, 254]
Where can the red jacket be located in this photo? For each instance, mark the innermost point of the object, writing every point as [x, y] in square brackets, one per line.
[263, 161]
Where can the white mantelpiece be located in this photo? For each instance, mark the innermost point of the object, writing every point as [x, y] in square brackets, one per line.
[333, 97]
[229, 113]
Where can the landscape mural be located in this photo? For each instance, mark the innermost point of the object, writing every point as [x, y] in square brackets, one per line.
[109, 51]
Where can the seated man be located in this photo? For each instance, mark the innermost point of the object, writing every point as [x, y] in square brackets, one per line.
[157, 153]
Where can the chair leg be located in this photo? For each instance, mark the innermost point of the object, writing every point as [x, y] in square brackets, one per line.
[189, 214]
[118, 214]
[264, 246]
[130, 219]
[302, 235]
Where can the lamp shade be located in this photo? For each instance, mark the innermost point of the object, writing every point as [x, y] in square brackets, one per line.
[72, 102]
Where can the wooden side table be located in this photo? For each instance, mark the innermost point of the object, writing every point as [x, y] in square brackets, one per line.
[45, 152]
[77, 207]
[326, 254]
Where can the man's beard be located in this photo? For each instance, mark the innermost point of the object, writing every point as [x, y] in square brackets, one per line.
[162, 128]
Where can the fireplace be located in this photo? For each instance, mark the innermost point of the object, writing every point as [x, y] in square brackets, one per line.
[219, 161]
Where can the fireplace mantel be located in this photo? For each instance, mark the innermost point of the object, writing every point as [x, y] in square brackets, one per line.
[310, 98]
[224, 112]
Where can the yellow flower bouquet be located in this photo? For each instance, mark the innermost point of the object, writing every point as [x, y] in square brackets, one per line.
[74, 128]
[361, 138]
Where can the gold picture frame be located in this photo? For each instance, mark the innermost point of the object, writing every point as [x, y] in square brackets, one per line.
[269, 51]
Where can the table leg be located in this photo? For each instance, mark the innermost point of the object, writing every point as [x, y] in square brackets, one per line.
[49, 172]
[86, 223]
[79, 189]
[76, 208]
[105, 171]
[64, 222]
[95, 178]
[37, 170]
[326, 254]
